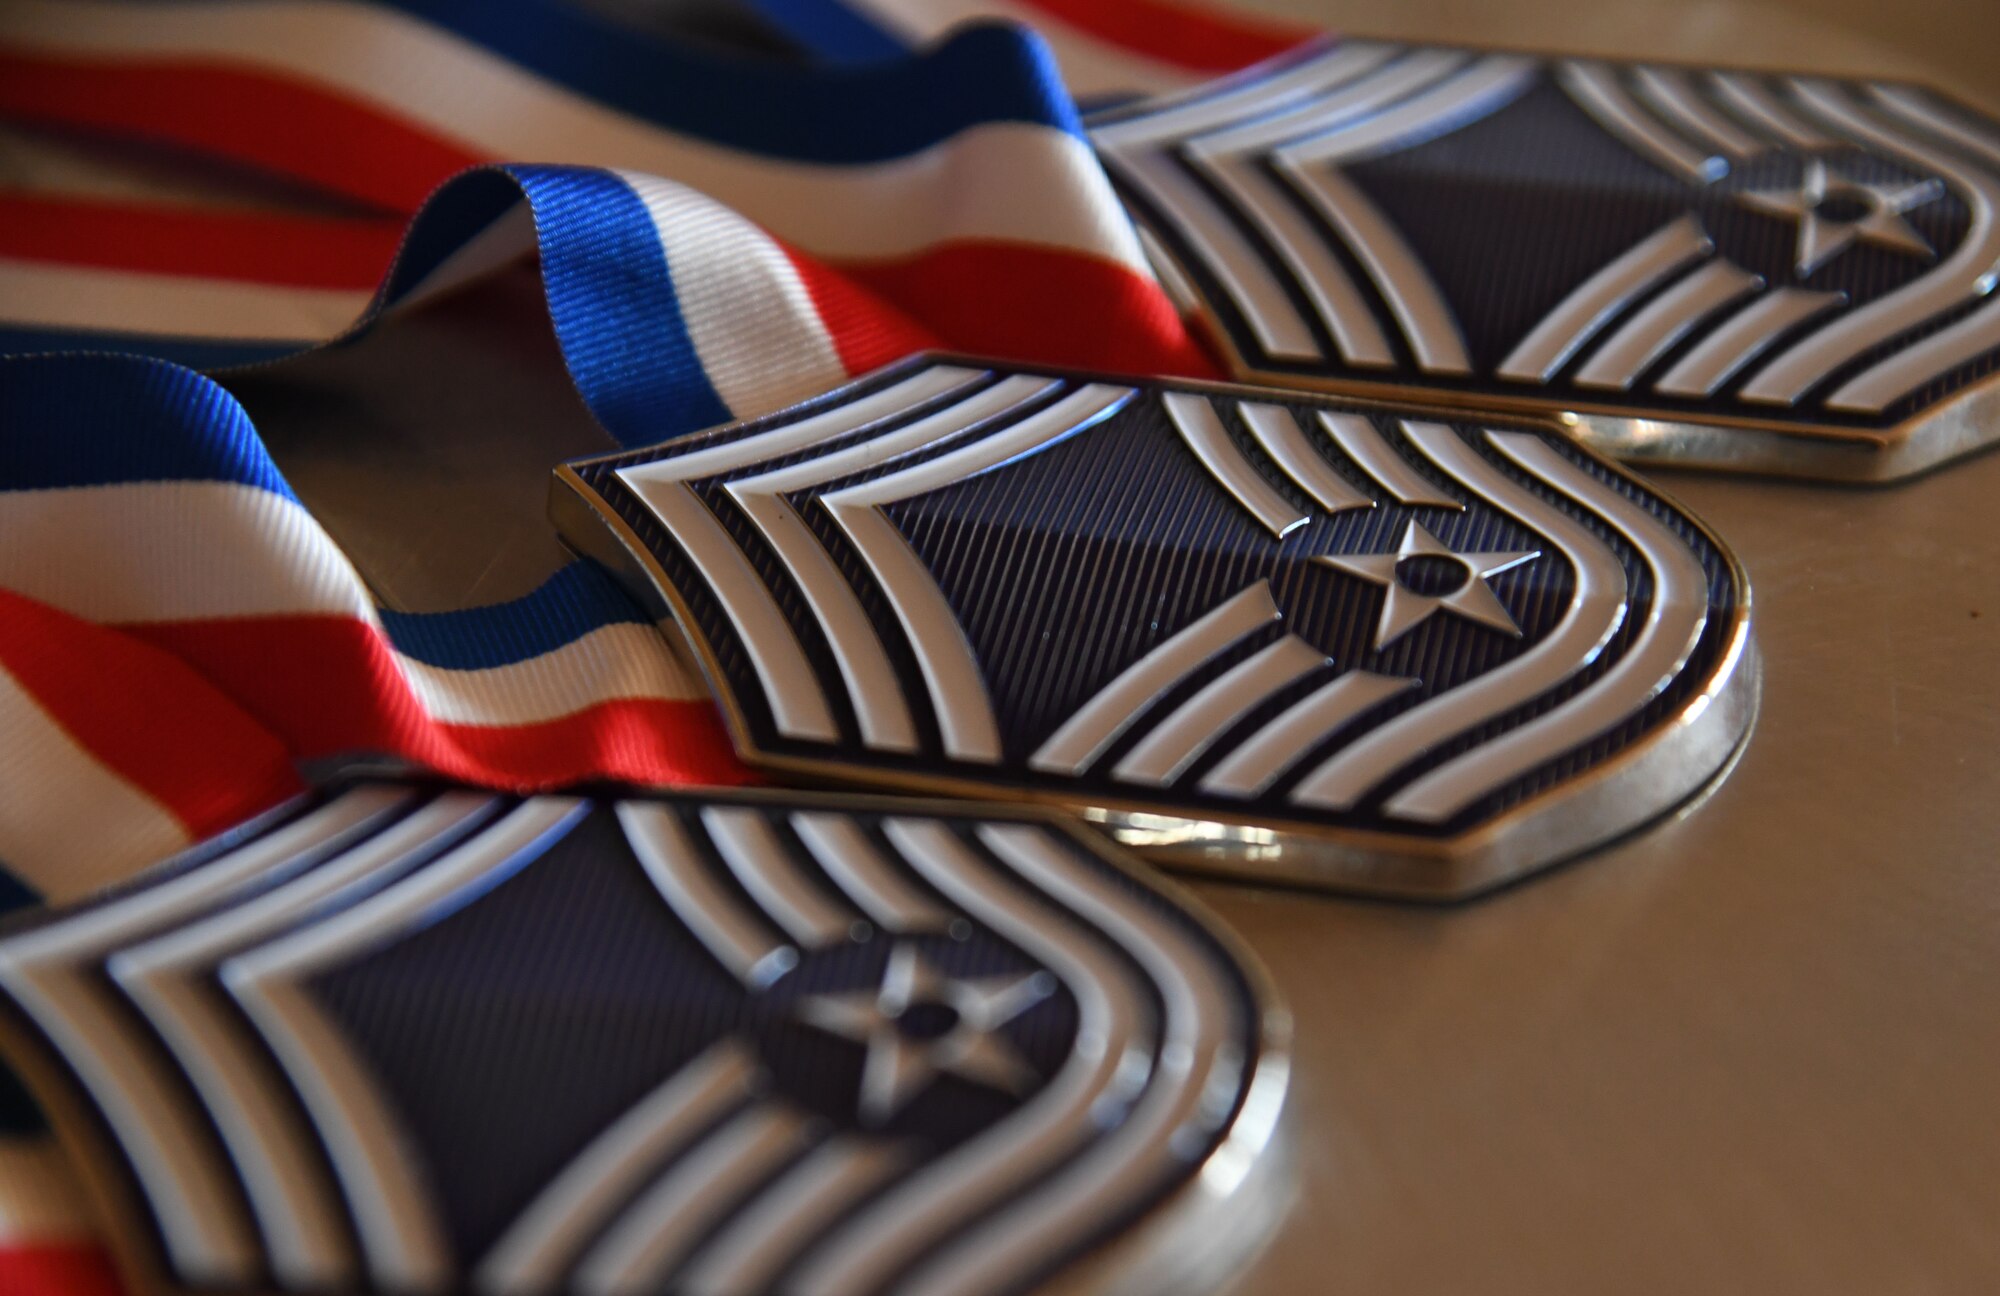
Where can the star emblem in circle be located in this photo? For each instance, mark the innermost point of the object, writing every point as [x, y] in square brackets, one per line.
[920, 1022]
[1404, 608]
[1823, 237]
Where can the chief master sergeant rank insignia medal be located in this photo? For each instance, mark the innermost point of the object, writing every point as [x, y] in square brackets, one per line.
[1256, 632]
[404, 1037]
[1727, 269]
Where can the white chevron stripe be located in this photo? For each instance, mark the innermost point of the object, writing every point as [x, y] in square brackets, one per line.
[1197, 1026]
[738, 936]
[1663, 321]
[647, 1243]
[190, 1192]
[1188, 116]
[1097, 723]
[1279, 434]
[1741, 338]
[858, 868]
[749, 1253]
[1370, 451]
[536, 1250]
[1111, 1000]
[1748, 98]
[839, 419]
[750, 846]
[1596, 607]
[1891, 379]
[1259, 760]
[401, 1237]
[1674, 94]
[1966, 274]
[303, 1225]
[1194, 417]
[956, 684]
[873, 687]
[1415, 71]
[1195, 725]
[1596, 89]
[1591, 304]
[1675, 615]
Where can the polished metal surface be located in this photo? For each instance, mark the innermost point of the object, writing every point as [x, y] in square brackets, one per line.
[1036, 657]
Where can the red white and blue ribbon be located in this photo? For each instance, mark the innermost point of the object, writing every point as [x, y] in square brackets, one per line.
[716, 238]
[1106, 48]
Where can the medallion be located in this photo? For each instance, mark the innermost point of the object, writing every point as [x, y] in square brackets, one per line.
[1779, 274]
[406, 1037]
[1256, 632]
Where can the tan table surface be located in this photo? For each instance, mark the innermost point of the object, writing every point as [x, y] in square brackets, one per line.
[1756, 1050]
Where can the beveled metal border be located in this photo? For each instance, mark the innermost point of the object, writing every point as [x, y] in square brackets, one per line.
[1187, 1242]
[1639, 784]
[1963, 423]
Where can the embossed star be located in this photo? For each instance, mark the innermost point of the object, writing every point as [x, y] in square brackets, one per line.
[1425, 574]
[920, 1022]
[1832, 211]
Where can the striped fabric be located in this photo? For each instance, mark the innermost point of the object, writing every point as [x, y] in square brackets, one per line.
[716, 239]
[1106, 48]
[955, 186]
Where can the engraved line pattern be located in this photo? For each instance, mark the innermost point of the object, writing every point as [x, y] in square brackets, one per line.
[1195, 419]
[1189, 730]
[1596, 608]
[204, 1235]
[1098, 722]
[1597, 90]
[1593, 303]
[1675, 615]
[1249, 183]
[401, 1238]
[711, 1180]
[1655, 327]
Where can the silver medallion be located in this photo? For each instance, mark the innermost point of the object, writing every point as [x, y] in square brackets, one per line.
[407, 1037]
[1738, 270]
[1256, 632]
